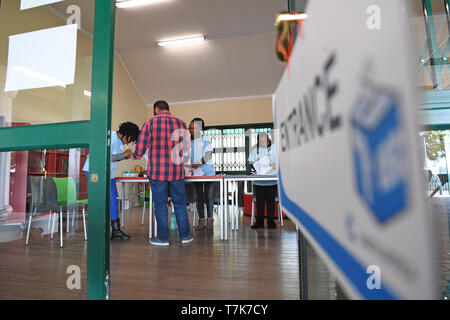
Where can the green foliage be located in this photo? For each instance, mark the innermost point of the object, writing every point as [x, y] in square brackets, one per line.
[434, 143]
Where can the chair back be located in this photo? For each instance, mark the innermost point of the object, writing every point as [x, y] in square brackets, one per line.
[43, 192]
[66, 190]
[36, 184]
[51, 193]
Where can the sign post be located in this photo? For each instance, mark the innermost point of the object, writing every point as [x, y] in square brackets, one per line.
[350, 163]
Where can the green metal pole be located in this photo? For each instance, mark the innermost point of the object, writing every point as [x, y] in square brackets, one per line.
[98, 277]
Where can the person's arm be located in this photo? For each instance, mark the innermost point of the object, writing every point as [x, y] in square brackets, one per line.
[117, 157]
[142, 141]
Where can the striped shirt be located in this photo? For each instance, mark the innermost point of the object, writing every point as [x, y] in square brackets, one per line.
[164, 136]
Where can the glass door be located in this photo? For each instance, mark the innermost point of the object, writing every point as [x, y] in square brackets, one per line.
[55, 102]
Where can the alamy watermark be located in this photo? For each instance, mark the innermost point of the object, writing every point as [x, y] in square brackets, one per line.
[374, 20]
[374, 280]
[74, 280]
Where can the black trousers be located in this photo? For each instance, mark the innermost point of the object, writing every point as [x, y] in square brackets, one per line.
[204, 191]
[265, 195]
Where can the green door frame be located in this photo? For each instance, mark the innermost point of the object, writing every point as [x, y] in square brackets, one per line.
[95, 134]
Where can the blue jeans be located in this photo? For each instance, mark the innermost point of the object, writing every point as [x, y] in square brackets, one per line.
[177, 191]
[113, 207]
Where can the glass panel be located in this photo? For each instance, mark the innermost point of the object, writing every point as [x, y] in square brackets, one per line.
[45, 61]
[436, 147]
[432, 44]
[35, 186]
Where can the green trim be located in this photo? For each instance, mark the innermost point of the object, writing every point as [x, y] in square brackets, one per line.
[436, 108]
[47, 136]
[98, 273]
[436, 127]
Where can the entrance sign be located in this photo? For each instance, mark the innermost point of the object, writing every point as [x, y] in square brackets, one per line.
[350, 170]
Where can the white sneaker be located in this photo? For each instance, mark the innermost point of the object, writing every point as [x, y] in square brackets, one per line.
[187, 240]
[159, 242]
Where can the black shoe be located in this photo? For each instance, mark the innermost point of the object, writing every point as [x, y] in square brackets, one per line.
[257, 226]
[116, 232]
[271, 225]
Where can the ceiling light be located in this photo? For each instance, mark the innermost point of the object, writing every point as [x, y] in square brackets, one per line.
[181, 42]
[136, 3]
[291, 17]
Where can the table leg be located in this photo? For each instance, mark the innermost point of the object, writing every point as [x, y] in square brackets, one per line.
[221, 210]
[123, 201]
[225, 215]
[150, 218]
[232, 206]
[237, 204]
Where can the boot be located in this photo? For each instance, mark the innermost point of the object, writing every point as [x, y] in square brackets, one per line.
[201, 224]
[210, 223]
[116, 232]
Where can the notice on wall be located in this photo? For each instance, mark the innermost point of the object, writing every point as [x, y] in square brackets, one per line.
[43, 58]
[28, 4]
[350, 168]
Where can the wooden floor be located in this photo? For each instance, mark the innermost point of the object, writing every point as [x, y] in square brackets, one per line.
[252, 264]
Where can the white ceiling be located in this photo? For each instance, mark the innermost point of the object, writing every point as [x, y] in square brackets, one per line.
[238, 59]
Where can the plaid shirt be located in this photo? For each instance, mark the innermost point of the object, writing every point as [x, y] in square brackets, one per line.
[164, 136]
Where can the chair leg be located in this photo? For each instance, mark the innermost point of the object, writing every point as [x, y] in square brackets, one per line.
[53, 224]
[61, 229]
[253, 212]
[143, 213]
[280, 214]
[73, 219]
[49, 221]
[194, 217]
[29, 227]
[67, 221]
[84, 224]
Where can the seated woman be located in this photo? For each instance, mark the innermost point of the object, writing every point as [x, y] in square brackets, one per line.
[200, 154]
[265, 191]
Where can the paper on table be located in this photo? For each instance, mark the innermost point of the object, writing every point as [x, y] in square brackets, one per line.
[197, 172]
[262, 166]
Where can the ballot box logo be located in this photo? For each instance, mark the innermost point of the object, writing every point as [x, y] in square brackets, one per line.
[379, 153]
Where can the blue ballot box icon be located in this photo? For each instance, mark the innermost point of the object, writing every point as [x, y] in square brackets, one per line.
[379, 153]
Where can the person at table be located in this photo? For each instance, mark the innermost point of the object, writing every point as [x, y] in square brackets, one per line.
[200, 155]
[128, 132]
[263, 156]
[165, 136]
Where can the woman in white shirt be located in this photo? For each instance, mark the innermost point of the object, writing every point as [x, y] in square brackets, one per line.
[265, 191]
[201, 159]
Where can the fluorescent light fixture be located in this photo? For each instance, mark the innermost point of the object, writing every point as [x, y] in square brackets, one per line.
[87, 93]
[136, 3]
[40, 76]
[291, 17]
[181, 42]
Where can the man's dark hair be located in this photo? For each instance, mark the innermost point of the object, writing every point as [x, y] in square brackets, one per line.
[129, 130]
[161, 105]
[199, 120]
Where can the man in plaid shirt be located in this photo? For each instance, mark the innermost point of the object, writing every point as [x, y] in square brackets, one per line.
[164, 136]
